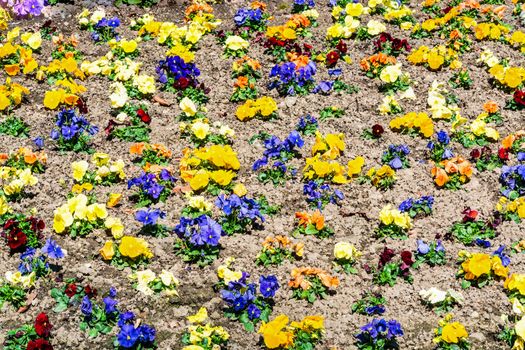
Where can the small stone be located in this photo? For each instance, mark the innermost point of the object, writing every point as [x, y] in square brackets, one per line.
[474, 314]
[289, 101]
[479, 337]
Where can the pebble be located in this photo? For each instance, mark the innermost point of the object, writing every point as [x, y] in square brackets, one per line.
[289, 101]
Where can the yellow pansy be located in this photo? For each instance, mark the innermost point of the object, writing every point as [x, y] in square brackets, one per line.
[79, 169]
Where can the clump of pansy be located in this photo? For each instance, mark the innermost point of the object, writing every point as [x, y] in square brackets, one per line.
[180, 77]
[432, 254]
[200, 132]
[439, 149]
[512, 180]
[470, 229]
[391, 46]
[312, 224]
[331, 112]
[321, 168]
[282, 39]
[197, 206]
[133, 334]
[275, 250]
[152, 187]
[389, 269]
[30, 336]
[292, 79]
[324, 165]
[59, 69]
[515, 143]
[149, 218]
[235, 46]
[515, 288]
[413, 124]
[379, 334]
[252, 19]
[511, 209]
[80, 216]
[22, 232]
[150, 153]
[102, 28]
[41, 262]
[517, 102]
[128, 252]
[209, 168]
[307, 125]
[24, 158]
[33, 265]
[15, 183]
[370, 304]
[451, 335]
[319, 194]
[417, 207]
[439, 300]
[11, 95]
[239, 214]
[382, 178]
[461, 79]
[14, 287]
[333, 55]
[280, 334]
[337, 84]
[480, 269]
[248, 304]
[131, 123]
[198, 239]
[396, 156]
[475, 134]
[202, 335]
[395, 81]
[373, 65]
[246, 71]
[149, 283]
[452, 173]
[264, 108]
[99, 318]
[485, 159]
[390, 106]
[310, 284]
[345, 257]
[72, 132]
[272, 166]
[513, 329]
[106, 172]
[393, 223]
[434, 58]
[124, 48]
[70, 294]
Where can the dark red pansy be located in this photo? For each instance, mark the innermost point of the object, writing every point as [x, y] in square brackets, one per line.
[377, 130]
[406, 256]
[90, 292]
[519, 97]
[16, 239]
[386, 256]
[475, 153]
[503, 153]
[42, 325]
[71, 290]
[144, 116]
[39, 344]
[183, 82]
[332, 58]
[342, 47]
